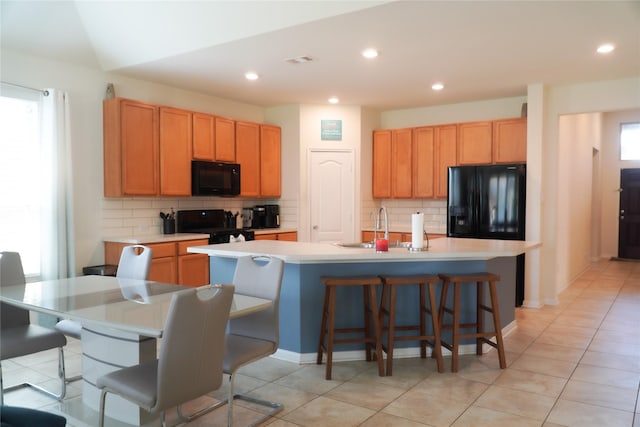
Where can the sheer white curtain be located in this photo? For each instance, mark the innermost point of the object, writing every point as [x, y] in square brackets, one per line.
[58, 260]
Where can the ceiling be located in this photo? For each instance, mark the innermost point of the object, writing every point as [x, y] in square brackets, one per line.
[478, 49]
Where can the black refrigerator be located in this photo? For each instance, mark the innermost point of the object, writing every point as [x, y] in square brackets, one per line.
[488, 202]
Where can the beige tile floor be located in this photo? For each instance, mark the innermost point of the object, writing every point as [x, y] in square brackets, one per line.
[573, 364]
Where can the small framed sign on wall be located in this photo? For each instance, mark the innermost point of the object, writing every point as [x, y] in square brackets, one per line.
[331, 130]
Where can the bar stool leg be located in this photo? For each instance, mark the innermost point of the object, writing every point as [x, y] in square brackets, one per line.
[331, 331]
[496, 324]
[422, 309]
[367, 322]
[437, 348]
[479, 316]
[391, 330]
[323, 325]
[456, 327]
[377, 339]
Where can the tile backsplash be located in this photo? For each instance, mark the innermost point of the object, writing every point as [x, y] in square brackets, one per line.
[399, 214]
[130, 217]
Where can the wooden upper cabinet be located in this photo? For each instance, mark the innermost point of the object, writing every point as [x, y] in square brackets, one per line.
[510, 141]
[270, 161]
[474, 143]
[381, 185]
[248, 156]
[175, 152]
[401, 163]
[204, 136]
[423, 153]
[225, 131]
[130, 148]
[445, 153]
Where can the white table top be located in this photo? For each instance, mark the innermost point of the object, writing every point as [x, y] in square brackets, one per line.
[443, 249]
[136, 306]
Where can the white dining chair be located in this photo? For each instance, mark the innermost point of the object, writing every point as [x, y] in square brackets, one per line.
[189, 364]
[18, 336]
[134, 263]
[255, 336]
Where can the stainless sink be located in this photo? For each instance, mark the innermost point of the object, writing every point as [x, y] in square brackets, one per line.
[371, 245]
[361, 245]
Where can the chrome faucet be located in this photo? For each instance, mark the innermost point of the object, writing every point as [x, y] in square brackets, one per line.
[382, 210]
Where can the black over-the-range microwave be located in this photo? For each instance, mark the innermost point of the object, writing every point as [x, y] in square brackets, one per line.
[214, 178]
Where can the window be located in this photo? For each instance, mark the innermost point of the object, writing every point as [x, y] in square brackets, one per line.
[20, 176]
[630, 141]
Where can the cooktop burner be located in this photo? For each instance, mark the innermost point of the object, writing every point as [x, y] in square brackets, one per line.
[210, 221]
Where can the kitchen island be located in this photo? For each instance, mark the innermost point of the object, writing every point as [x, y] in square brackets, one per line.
[302, 293]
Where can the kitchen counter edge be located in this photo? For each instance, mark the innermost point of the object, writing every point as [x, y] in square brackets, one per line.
[157, 238]
[443, 249]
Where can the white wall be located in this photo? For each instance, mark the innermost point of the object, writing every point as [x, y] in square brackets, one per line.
[578, 135]
[610, 177]
[370, 121]
[288, 118]
[503, 108]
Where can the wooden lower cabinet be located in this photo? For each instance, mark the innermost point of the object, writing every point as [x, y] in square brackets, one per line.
[290, 236]
[164, 269]
[193, 269]
[171, 263]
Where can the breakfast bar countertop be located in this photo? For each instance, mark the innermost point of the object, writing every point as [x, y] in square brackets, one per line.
[444, 249]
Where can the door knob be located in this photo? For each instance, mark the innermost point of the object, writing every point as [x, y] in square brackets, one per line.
[315, 227]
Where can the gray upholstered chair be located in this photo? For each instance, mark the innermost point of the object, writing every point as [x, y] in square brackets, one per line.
[134, 263]
[190, 361]
[254, 336]
[18, 337]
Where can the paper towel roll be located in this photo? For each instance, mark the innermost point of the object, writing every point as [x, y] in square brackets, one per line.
[417, 230]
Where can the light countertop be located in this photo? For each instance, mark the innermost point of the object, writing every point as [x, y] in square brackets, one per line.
[157, 238]
[259, 231]
[163, 238]
[443, 249]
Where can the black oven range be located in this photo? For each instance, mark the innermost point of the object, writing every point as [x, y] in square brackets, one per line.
[218, 223]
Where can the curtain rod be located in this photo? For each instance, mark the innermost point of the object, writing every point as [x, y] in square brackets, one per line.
[43, 91]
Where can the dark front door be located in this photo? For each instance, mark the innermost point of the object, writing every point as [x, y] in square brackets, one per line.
[629, 237]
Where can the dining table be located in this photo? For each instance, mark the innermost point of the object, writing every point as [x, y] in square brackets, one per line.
[122, 324]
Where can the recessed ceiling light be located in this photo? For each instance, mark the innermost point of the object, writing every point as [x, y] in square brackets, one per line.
[251, 76]
[437, 86]
[333, 100]
[605, 48]
[370, 53]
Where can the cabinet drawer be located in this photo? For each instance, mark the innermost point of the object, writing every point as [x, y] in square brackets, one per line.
[289, 236]
[270, 236]
[161, 250]
[182, 246]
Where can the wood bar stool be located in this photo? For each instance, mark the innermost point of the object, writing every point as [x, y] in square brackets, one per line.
[370, 333]
[388, 309]
[480, 334]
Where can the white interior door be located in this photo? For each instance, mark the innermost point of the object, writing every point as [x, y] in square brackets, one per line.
[332, 194]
